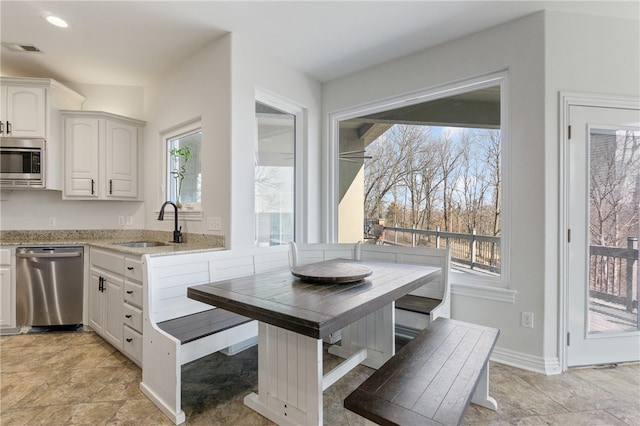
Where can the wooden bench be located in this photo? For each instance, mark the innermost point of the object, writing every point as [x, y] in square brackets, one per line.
[432, 379]
[178, 330]
[196, 326]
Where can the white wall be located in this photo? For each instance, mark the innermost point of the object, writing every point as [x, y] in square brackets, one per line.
[32, 209]
[198, 87]
[543, 54]
[252, 69]
[585, 54]
[122, 100]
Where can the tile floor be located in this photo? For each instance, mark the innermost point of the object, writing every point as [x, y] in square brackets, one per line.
[74, 378]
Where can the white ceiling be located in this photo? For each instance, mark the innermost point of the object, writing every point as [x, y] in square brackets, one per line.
[131, 42]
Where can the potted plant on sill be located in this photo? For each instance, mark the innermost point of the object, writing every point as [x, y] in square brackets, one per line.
[180, 157]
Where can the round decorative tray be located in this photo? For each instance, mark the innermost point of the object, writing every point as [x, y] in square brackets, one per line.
[336, 271]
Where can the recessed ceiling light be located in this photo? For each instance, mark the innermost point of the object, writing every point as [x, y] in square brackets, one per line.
[58, 22]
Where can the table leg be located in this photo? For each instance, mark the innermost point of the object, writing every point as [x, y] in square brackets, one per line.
[289, 377]
[376, 332]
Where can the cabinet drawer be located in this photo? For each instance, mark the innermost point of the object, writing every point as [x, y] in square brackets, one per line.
[5, 257]
[133, 268]
[132, 344]
[132, 317]
[110, 261]
[133, 293]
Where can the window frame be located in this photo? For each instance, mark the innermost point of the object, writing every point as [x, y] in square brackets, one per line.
[495, 288]
[300, 201]
[194, 212]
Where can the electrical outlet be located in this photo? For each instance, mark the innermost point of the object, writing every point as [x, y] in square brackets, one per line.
[214, 224]
[52, 221]
[526, 319]
[120, 220]
[129, 220]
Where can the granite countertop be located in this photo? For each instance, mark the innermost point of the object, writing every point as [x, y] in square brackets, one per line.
[110, 238]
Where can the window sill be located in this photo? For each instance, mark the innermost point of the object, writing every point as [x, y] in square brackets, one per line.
[480, 286]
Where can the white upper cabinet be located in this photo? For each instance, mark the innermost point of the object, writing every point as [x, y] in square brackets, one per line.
[101, 159]
[122, 159]
[23, 112]
[81, 155]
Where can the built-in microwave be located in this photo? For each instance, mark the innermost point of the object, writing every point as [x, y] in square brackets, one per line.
[22, 162]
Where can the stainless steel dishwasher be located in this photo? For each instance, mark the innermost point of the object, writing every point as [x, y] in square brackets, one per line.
[49, 286]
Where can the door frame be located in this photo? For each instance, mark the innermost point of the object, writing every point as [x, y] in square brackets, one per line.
[566, 101]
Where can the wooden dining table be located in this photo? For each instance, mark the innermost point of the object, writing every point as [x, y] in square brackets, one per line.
[294, 316]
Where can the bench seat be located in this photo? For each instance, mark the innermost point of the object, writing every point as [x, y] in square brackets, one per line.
[417, 304]
[202, 324]
[432, 379]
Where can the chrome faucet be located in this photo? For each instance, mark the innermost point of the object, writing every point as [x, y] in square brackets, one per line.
[177, 235]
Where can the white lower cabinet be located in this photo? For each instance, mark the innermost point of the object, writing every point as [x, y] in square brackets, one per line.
[115, 299]
[7, 290]
[105, 297]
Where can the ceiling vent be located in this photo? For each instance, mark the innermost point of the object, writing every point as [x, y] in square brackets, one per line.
[16, 47]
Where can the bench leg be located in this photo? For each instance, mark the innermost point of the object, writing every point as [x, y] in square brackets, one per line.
[481, 396]
[376, 332]
[289, 377]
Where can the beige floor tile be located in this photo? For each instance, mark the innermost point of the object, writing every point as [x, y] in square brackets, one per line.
[78, 378]
[583, 418]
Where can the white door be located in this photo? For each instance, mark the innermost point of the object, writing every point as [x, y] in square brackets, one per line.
[603, 194]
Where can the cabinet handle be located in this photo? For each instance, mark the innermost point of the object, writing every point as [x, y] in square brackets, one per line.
[130, 268]
[100, 284]
[129, 340]
[110, 186]
[129, 291]
[128, 316]
[8, 128]
[1, 128]
[92, 184]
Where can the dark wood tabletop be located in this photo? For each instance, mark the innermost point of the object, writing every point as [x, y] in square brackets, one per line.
[313, 309]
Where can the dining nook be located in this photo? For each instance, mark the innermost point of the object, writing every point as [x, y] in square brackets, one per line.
[293, 301]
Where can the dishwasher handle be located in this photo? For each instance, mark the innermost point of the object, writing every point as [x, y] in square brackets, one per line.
[49, 255]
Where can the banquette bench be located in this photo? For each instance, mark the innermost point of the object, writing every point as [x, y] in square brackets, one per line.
[432, 379]
[178, 330]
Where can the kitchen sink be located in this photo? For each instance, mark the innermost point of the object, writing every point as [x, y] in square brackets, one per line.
[141, 244]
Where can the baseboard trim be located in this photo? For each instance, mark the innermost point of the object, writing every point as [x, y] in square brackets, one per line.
[537, 364]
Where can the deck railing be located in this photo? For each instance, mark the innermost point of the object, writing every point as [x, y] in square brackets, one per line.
[472, 250]
[613, 275]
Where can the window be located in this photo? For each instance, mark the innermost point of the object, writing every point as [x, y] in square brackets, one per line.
[274, 175]
[429, 174]
[183, 172]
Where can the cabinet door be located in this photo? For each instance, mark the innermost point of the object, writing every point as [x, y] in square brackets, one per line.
[7, 312]
[82, 141]
[122, 160]
[25, 111]
[113, 325]
[96, 302]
